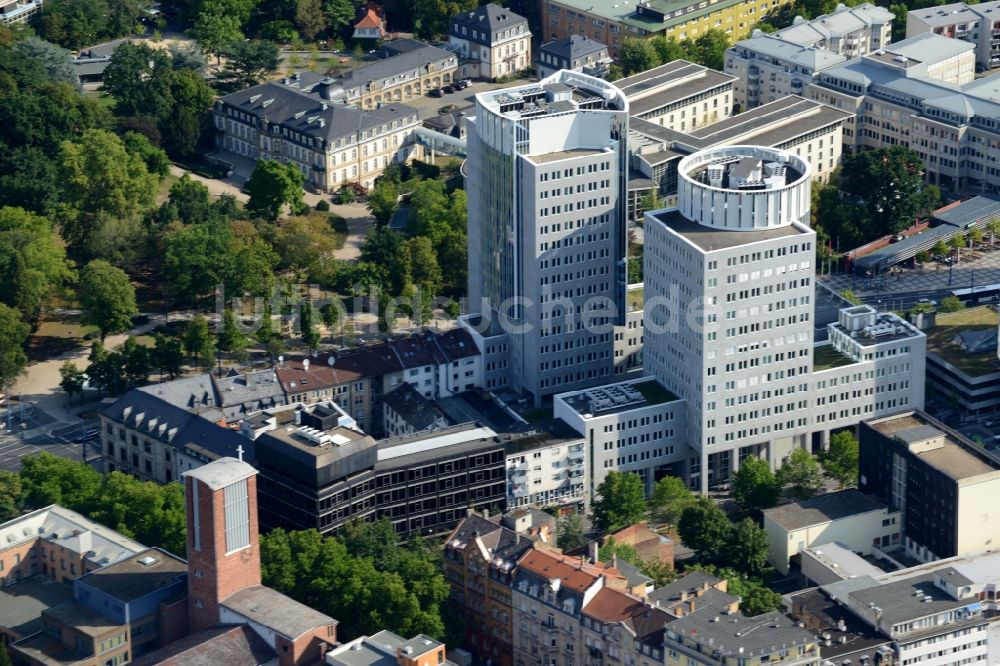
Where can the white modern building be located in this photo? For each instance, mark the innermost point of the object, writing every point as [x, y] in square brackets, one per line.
[729, 306]
[546, 184]
[768, 68]
[978, 24]
[632, 426]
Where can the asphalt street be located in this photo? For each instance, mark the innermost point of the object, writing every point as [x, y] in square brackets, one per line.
[13, 446]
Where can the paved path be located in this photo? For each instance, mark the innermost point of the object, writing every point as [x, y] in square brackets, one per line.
[215, 186]
[359, 221]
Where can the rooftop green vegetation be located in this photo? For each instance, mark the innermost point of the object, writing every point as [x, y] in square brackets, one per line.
[654, 393]
[941, 340]
[827, 356]
[635, 298]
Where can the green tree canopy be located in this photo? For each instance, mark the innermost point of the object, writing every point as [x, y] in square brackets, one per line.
[74, 24]
[272, 185]
[32, 261]
[754, 485]
[107, 297]
[704, 528]
[637, 55]
[198, 342]
[71, 379]
[570, 533]
[747, 547]
[840, 461]
[11, 496]
[951, 303]
[216, 31]
[13, 334]
[54, 59]
[670, 497]
[620, 502]
[800, 475]
[138, 78]
[249, 62]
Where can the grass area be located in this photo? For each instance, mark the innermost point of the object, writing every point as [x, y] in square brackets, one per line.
[827, 356]
[654, 393]
[635, 298]
[59, 335]
[940, 339]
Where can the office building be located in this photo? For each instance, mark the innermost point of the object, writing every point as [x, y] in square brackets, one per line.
[679, 95]
[315, 123]
[847, 31]
[546, 184]
[612, 22]
[577, 53]
[848, 517]
[493, 42]
[978, 24]
[732, 333]
[768, 68]
[941, 483]
[633, 426]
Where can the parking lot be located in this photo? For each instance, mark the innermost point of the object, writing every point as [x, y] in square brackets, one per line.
[901, 288]
[428, 106]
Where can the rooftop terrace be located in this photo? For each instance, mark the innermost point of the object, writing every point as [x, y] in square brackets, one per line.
[941, 340]
[709, 239]
[615, 398]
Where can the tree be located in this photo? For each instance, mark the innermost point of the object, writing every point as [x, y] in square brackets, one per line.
[182, 126]
[621, 501]
[941, 248]
[198, 341]
[975, 236]
[106, 370]
[430, 17]
[167, 354]
[339, 13]
[849, 296]
[951, 303]
[136, 361]
[747, 547]
[107, 298]
[11, 503]
[273, 184]
[310, 334]
[32, 262]
[800, 475]
[637, 55]
[613, 549]
[100, 178]
[993, 227]
[304, 242]
[124, 16]
[670, 497]
[754, 485]
[48, 479]
[194, 260]
[888, 185]
[668, 49]
[13, 334]
[382, 200]
[74, 24]
[309, 18]
[187, 56]
[840, 460]
[703, 527]
[72, 379]
[709, 49]
[216, 31]
[189, 201]
[570, 534]
[249, 62]
[156, 160]
[231, 339]
[54, 59]
[137, 77]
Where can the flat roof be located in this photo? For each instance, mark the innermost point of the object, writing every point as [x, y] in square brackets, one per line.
[898, 603]
[616, 398]
[822, 509]
[563, 155]
[82, 618]
[740, 635]
[709, 239]
[670, 82]
[21, 604]
[958, 459]
[137, 576]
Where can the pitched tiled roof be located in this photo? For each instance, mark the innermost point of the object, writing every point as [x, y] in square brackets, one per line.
[411, 404]
[502, 545]
[489, 19]
[573, 572]
[610, 605]
[371, 19]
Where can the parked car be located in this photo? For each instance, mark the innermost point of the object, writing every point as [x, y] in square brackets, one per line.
[437, 92]
[896, 238]
[85, 435]
[926, 301]
[448, 90]
[461, 84]
[466, 83]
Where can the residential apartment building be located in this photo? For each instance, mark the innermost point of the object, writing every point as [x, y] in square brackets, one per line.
[576, 52]
[611, 22]
[940, 482]
[405, 69]
[406, 411]
[847, 31]
[679, 95]
[493, 42]
[546, 184]
[705, 637]
[736, 254]
[633, 426]
[555, 474]
[978, 24]
[479, 559]
[314, 123]
[848, 517]
[19, 11]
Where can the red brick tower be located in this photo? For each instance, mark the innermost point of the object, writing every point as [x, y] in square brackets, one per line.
[222, 539]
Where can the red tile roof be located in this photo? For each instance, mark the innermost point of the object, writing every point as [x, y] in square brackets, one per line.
[610, 605]
[572, 571]
[371, 19]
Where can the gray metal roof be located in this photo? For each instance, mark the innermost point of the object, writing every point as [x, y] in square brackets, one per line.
[414, 56]
[774, 46]
[489, 19]
[898, 602]
[821, 509]
[572, 47]
[843, 21]
[275, 611]
[985, 206]
[740, 635]
[930, 47]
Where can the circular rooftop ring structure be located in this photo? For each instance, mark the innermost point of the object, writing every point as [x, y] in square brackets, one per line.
[744, 188]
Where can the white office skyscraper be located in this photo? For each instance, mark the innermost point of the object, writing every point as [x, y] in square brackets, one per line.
[546, 182]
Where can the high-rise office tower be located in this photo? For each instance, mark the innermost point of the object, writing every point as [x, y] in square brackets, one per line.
[546, 183]
[729, 318]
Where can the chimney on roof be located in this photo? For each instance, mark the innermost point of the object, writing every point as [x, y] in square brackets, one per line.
[592, 551]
